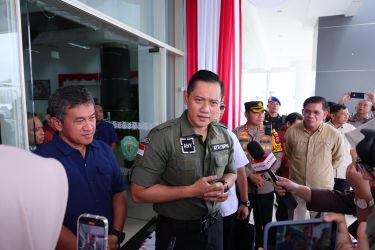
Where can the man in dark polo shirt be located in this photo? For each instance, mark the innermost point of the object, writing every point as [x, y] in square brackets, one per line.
[104, 130]
[96, 185]
[185, 167]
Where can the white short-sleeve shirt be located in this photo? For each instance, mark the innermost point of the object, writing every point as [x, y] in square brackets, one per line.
[230, 206]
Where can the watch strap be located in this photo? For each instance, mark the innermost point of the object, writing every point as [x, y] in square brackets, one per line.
[371, 202]
[120, 235]
[245, 203]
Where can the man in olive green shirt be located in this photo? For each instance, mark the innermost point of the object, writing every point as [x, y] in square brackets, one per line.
[185, 166]
[314, 150]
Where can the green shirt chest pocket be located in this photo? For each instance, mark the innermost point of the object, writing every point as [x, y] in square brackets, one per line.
[220, 163]
[182, 170]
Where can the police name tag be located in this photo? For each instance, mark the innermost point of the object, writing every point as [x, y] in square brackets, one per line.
[220, 147]
[187, 145]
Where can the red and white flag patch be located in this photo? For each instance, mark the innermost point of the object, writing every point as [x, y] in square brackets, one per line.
[141, 149]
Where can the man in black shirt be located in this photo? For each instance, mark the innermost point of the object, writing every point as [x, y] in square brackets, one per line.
[272, 119]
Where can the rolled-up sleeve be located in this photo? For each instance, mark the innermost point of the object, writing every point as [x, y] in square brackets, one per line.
[323, 200]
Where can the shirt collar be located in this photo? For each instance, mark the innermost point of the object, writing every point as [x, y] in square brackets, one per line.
[187, 129]
[333, 125]
[318, 130]
[65, 148]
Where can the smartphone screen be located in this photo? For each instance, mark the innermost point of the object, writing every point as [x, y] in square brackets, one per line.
[358, 95]
[92, 232]
[306, 234]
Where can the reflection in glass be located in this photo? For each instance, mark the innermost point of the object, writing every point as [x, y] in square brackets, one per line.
[11, 118]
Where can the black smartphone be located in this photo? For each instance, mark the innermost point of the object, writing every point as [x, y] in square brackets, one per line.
[358, 95]
[92, 232]
[302, 234]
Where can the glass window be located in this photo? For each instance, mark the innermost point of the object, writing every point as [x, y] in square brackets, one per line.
[283, 86]
[261, 85]
[254, 88]
[11, 101]
[156, 18]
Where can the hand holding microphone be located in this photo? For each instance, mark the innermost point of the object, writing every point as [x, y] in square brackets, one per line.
[264, 162]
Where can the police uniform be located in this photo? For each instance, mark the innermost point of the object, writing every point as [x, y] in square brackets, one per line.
[274, 122]
[174, 155]
[261, 199]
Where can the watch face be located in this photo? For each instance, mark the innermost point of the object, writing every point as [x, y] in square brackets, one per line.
[245, 203]
[361, 203]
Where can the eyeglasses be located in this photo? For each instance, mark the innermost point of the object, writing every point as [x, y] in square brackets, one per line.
[222, 107]
[314, 112]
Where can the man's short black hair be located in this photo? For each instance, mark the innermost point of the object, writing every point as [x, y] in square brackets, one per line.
[336, 108]
[330, 104]
[66, 98]
[316, 99]
[204, 76]
[292, 117]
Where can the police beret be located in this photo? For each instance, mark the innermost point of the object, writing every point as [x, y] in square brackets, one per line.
[274, 99]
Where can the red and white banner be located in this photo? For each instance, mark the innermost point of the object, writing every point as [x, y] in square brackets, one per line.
[214, 42]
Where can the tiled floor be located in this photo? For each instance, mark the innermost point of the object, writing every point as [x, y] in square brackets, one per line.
[138, 216]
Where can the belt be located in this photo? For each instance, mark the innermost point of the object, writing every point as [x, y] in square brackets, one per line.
[192, 225]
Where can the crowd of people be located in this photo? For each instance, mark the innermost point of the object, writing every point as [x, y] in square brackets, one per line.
[200, 176]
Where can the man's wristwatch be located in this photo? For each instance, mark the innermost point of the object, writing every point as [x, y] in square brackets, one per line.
[120, 235]
[363, 204]
[245, 203]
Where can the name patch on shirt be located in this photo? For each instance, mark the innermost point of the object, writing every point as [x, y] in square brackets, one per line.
[187, 145]
[220, 147]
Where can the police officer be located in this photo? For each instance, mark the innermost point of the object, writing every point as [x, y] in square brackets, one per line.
[185, 167]
[273, 120]
[260, 186]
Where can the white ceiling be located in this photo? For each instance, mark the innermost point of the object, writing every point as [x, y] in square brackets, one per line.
[281, 36]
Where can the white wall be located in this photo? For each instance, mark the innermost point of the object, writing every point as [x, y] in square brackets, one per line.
[71, 61]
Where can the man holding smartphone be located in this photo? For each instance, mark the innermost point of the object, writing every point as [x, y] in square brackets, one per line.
[363, 108]
[96, 185]
[185, 167]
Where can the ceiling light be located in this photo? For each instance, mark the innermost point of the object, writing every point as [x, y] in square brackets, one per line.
[79, 45]
[32, 50]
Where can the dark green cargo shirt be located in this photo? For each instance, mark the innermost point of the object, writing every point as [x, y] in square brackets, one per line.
[174, 155]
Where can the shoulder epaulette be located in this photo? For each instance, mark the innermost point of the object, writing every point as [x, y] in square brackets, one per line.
[166, 124]
[217, 124]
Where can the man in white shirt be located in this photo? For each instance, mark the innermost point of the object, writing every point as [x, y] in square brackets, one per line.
[229, 209]
[339, 120]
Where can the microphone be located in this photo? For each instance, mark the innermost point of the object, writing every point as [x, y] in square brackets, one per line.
[264, 162]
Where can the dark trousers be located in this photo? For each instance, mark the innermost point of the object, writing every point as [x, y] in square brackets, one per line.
[282, 210]
[187, 235]
[263, 208]
[341, 185]
[229, 231]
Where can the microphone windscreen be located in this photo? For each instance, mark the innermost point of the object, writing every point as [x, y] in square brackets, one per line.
[255, 150]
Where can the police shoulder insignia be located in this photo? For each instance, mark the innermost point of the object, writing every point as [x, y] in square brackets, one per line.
[146, 140]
